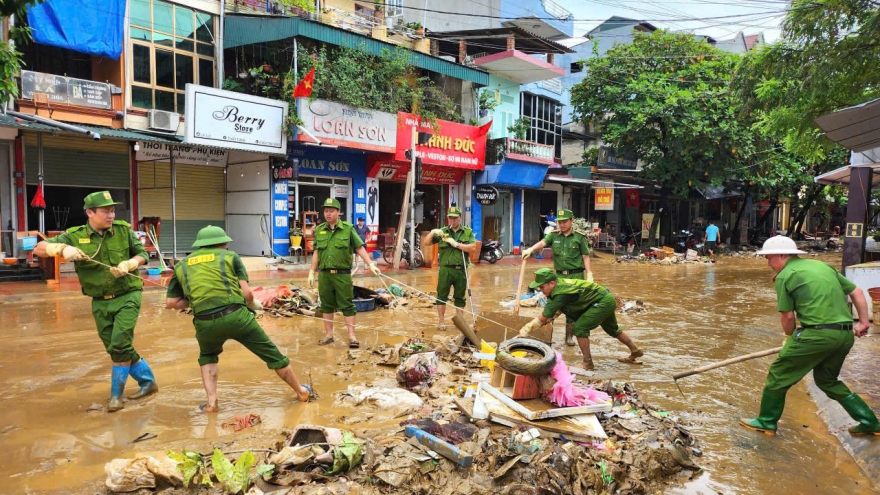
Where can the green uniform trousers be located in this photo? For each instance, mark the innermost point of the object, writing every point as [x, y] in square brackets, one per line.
[602, 313]
[242, 327]
[576, 276]
[451, 278]
[820, 350]
[116, 319]
[336, 292]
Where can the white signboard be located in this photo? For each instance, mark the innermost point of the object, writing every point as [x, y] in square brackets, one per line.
[183, 153]
[226, 119]
[342, 125]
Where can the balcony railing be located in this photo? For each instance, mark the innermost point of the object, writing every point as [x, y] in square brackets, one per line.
[517, 149]
[556, 10]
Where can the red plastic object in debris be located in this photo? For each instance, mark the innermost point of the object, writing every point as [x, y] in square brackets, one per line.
[268, 297]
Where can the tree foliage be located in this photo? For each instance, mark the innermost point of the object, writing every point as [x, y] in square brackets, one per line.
[665, 98]
[10, 58]
[826, 61]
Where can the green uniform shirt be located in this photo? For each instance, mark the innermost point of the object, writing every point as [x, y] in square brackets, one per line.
[815, 291]
[335, 246]
[208, 278]
[448, 255]
[573, 297]
[117, 244]
[568, 250]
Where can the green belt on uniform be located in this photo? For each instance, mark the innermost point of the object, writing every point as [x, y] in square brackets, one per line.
[337, 270]
[829, 326]
[114, 296]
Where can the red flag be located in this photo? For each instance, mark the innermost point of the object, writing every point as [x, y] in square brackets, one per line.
[484, 129]
[304, 88]
[632, 198]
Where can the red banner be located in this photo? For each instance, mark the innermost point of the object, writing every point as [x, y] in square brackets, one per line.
[632, 198]
[451, 145]
[390, 169]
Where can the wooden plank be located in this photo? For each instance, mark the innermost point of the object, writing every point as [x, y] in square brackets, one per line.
[582, 428]
[440, 446]
[401, 227]
[532, 415]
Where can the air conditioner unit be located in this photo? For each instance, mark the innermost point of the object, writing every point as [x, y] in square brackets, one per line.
[163, 121]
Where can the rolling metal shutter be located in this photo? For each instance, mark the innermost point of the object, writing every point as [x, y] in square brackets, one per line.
[75, 161]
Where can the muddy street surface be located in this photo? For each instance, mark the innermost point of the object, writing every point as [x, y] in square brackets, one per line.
[53, 368]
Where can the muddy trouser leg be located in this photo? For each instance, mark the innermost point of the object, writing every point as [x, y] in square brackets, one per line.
[569, 322]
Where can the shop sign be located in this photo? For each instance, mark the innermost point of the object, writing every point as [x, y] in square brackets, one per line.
[183, 154]
[609, 159]
[226, 119]
[396, 171]
[485, 195]
[647, 219]
[451, 144]
[60, 89]
[343, 125]
[604, 195]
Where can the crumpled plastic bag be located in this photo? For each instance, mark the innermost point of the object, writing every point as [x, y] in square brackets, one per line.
[417, 371]
[533, 300]
[295, 456]
[347, 454]
[692, 255]
[128, 475]
[391, 402]
[566, 394]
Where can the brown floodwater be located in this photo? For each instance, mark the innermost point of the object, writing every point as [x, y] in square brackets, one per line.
[53, 368]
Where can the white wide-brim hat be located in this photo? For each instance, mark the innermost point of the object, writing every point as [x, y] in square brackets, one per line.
[779, 244]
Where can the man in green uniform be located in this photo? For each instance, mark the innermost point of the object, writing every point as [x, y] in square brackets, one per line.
[453, 242]
[213, 281]
[335, 241]
[816, 293]
[587, 303]
[116, 295]
[571, 256]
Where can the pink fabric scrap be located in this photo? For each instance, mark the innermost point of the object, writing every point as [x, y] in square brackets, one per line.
[566, 394]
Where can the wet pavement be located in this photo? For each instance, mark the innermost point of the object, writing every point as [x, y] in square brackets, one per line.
[53, 368]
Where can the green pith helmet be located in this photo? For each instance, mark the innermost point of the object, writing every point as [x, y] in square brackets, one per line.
[542, 276]
[332, 203]
[99, 199]
[454, 211]
[211, 236]
[564, 215]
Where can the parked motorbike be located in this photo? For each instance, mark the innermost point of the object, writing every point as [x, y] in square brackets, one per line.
[551, 226]
[491, 251]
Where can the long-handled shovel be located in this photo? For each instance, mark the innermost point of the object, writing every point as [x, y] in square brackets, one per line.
[467, 280]
[522, 274]
[721, 364]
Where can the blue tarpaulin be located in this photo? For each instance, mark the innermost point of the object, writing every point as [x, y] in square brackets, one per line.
[88, 26]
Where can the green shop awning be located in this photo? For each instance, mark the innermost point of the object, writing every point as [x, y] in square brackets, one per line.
[247, 30]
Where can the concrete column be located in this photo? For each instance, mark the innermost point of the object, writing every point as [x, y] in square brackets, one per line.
[462, 51]
[511, 42]
[855, 229]
[551, 57]
[435, 48]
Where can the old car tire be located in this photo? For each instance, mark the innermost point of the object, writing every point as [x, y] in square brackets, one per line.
[525, 365]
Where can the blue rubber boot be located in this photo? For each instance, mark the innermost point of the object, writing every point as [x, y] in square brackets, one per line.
[141, 372]
[117, 385]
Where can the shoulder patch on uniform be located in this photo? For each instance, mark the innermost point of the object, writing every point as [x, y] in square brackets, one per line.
[581, 232]
[121, 222]
[75, 229]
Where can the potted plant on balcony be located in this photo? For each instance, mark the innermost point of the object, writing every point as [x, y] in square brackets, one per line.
[519, 129]
[379, 13]
[417, 28]
[487, 103]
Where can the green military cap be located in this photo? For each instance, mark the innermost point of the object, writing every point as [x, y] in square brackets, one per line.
[543, 276]
[211, 236]
[564, 215]
[454, 211]
[99, 199]
[332, 203]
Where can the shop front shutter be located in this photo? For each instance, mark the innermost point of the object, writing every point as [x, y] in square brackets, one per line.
[80, 162]
[200, 199]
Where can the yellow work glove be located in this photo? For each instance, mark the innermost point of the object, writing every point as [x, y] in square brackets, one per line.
[589, 276]
[529, 327]
[67, 252]
[375, 269]
[124, 267]
[527, 252]
[255, 305]
[311, 278]
[452, 242]
[437, 233]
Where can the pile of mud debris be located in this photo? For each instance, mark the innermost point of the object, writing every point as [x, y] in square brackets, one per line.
[285, 301]
[434, 425]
